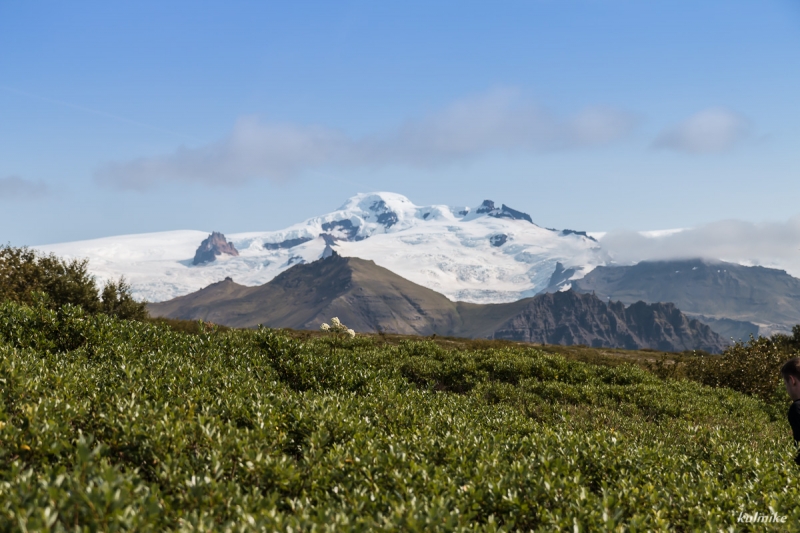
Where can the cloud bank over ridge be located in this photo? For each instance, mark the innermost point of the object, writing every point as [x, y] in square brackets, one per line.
[500, 121]
[770, 244]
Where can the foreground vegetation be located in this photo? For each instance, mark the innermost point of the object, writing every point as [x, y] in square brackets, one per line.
[28, 276]
[107, 424]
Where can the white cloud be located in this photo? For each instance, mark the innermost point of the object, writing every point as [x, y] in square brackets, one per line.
[253, 150]
[499, 121]
[773, 244]
[709, 131]
[14, 187]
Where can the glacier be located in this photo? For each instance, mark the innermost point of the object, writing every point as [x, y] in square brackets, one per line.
[483, 254]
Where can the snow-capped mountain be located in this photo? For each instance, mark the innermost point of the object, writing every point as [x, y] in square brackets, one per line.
[483, 254]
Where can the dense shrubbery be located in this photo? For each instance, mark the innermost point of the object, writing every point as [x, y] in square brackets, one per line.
[751, 367]
[113, 425]
[28, 277]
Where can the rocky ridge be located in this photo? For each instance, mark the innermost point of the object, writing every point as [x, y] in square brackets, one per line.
[212, 247]
[370, 298]
[733, 299]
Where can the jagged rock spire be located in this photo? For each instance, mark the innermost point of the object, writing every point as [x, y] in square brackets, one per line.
[214, 245]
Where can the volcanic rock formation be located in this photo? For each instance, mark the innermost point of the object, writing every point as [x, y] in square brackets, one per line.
[370, 298]
[214, 245]
[734, 300]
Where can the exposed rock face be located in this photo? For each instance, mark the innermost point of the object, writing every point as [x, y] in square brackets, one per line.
[385, 216]
[388, 219]
[340, 230]
[513, 214]
[498, 240]
[560, 277]
[288, 243]
[581, 233]
[370, 298]
[488, 208]
[571, 318]
[735, 299]
[214, 245]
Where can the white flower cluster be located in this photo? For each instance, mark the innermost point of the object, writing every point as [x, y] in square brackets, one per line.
[337, 328]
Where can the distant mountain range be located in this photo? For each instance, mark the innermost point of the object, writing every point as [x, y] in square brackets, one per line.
[483, 254]
[734, 300]
[370, 298]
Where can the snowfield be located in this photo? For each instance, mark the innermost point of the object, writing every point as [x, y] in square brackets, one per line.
[483, 254]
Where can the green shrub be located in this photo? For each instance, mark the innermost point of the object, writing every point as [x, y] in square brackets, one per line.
[110, 425]
[24, 273]
[751, 367]
[29, 277]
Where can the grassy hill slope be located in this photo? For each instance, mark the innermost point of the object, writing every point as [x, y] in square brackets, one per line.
[122, 425]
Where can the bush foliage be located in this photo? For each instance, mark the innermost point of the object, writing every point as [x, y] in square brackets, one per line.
[120, 425]
[751, 367]
[27, 277]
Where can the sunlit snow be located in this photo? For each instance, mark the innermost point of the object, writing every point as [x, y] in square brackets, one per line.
[447, 249]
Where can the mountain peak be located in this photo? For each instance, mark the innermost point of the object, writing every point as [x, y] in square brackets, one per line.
[212, 246]
[490, 253]
[488, 208]
[369, 297]
[373, 201]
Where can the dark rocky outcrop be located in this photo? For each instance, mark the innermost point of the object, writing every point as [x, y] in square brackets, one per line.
[560, 277]
[498, 240]
[339, 230]
[388, 219]
[513, 214]
[488, 208]
[571, 318]
[385, 215]
[581, 233]
[288, 243]
[739, 299]
[214, 245]
[370, 298]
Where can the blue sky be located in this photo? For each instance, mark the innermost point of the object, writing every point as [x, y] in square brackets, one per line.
[244, 116]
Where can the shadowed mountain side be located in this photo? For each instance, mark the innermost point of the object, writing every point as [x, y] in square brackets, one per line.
[363, 295]
[569, 318]
[729, 328]
[369, 298]
[746, 296]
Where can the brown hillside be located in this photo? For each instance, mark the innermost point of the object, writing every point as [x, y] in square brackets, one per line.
[369, 298]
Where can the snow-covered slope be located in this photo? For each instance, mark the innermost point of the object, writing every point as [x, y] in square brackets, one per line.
[482, 254]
